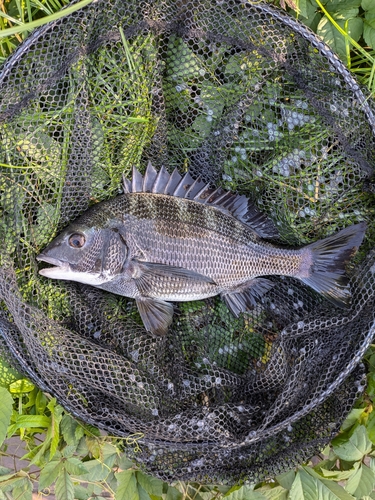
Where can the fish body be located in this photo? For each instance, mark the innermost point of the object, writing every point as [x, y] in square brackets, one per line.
[169, 238]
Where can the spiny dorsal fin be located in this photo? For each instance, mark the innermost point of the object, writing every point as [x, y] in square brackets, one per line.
[186, 187]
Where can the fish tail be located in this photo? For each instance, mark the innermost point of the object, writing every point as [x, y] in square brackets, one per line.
[323, 267]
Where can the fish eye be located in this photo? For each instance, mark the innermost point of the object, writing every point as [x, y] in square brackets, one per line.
[77, 240]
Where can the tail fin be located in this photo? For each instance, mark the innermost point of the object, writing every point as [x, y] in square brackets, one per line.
[327, 259]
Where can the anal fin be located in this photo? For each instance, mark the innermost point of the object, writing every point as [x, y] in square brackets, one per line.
[156, 314]
[246, 296]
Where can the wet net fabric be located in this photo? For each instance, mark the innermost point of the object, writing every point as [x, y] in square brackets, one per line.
[250, 100]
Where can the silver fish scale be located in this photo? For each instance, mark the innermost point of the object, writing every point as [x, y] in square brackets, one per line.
[183, 233]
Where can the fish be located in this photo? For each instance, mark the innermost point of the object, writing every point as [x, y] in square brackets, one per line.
[171, 238]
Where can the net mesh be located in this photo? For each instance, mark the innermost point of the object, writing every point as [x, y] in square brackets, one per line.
[250, 100]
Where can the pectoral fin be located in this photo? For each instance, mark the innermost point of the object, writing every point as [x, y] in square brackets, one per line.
[150, 276]
[247, 295]
[156, 314]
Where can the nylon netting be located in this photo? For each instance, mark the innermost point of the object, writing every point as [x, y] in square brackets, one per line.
[252, 101]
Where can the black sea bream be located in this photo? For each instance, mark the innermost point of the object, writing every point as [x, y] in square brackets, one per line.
[170, 238]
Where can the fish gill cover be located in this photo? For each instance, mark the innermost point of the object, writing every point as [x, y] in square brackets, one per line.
[249, 100]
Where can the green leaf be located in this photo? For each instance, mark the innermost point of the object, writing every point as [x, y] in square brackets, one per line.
[370, 426]
[32, 421]
[326, 489]
[182, 61]
[124, 462]
[75, 467]
[81, 493]
[367, 4]
[353, 417]
[334, 6]
[14, 482]
[143, 495]
[21, 386]
[64, 489]
[7, 374]
[245, 493]
[304, 487]
[54, 429]
[309, 14]
[302, 8]
[339, 475]
[329, 490]
[6, 409]
[362, 482]
[152, 485]
[334, 38]
[369, 28]
[4, 471]
[24, 492]
[286, 479]
[70, 430]
[96, 471]
[173, 493]
[276, 493]
[89, 492]
[126, 486]
[49, 473]
[356, 447]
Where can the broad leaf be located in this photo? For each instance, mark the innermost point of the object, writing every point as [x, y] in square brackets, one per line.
[75, 467]
[356, 447]
[96, 471]
[302, 8]
[334, 38]
[152, 485]
[286, 479]
[326, 489]
[54, 430]
[369, 28]
[71, 430]
[124, 462]
[6, 408]
[329, 490]
[304, 487]
[64, 489]
[367, 4]
[7, 373]
[370, 426]
[16, 481]
[339, 475]
[24, 492]
[126, 486]
[245, 493]
[21, 386]
[49, 473]
[339, 5]
[362, 482]
[173, 494]
[32, 421]
[143, 495]
[352, 418]
[276, 493]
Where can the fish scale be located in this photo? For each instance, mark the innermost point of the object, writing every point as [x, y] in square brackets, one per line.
[171, 238]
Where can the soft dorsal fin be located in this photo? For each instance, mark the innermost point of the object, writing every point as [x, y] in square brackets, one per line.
[186, 187]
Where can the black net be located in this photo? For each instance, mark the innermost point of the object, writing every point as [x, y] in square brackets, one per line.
[250, 100]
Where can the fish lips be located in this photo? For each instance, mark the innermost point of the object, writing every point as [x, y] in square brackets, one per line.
[60, 269]
[65, 271]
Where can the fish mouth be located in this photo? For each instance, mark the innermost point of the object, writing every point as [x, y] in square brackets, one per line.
[58, 265]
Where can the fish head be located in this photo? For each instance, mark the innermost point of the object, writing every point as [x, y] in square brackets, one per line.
[86, 254]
